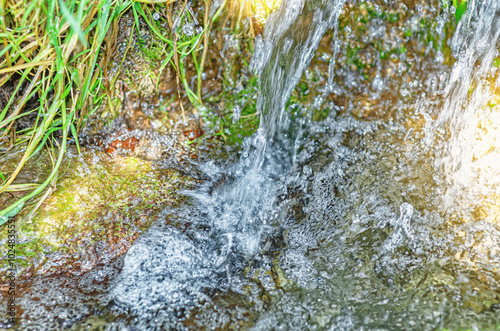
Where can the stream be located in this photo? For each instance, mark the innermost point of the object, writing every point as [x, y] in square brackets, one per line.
[341, 223]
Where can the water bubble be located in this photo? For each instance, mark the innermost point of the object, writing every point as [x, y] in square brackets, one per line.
[378, 82]
[236, 113]
[439, 57]
[188, 29]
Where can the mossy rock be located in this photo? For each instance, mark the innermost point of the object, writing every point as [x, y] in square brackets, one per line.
[100, 206]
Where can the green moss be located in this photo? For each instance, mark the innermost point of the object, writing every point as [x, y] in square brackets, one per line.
[241, 93]
[110, 201]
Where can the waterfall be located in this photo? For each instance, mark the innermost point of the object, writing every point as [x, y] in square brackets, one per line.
[469, 158]
[235, 210]
[290, 38]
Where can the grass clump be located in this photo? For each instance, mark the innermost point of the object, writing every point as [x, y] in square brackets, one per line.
[51, 78]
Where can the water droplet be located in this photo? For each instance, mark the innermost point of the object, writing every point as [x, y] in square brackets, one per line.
[188, 29]
[236, 113]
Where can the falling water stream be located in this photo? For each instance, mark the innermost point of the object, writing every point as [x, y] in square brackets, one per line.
[340, 223]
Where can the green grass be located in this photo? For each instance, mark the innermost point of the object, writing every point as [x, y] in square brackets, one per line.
[182, 47]
[50, 54]
[174, 48]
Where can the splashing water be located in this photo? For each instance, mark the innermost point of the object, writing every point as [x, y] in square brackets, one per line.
[238, 205]
[272, 198]
[275, 197]
[343, 223]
